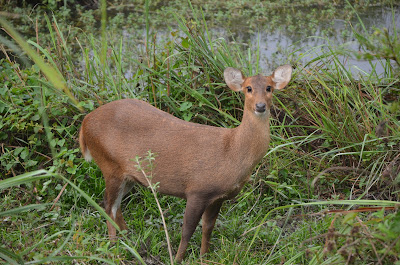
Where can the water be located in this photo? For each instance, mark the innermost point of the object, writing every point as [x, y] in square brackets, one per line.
[275, 47]
[282, 46]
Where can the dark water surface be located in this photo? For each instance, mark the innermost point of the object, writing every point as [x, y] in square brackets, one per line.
[278, 46]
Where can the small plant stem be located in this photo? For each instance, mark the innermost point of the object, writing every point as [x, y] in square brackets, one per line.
[103, 56]
[369, 238]
[161, 212]
[153, 90]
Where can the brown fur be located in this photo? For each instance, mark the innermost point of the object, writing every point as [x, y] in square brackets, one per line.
[203, 164]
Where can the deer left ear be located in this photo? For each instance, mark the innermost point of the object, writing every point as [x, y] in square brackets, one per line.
[233, 78]
[281, 76]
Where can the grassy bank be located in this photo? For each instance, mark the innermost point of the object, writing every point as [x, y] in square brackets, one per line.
[316, 198]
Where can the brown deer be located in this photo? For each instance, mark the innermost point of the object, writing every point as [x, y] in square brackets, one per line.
[203, 164]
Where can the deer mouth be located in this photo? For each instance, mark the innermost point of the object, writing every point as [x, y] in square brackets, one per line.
[261, 108]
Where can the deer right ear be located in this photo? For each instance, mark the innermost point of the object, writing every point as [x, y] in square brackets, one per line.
[233, 78]
[282, 76]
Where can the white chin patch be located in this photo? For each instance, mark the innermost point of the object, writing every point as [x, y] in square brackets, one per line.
[261, 113]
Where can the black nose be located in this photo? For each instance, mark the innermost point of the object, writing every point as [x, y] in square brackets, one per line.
[260, 107]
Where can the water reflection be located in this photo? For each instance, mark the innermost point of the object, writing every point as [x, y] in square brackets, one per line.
[280, 45]
[276, 47]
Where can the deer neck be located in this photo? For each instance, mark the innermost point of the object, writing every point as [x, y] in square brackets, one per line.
[253, 137]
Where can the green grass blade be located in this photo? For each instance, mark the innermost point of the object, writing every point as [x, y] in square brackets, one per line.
[24, 178]
[10, 257]
[133, 252]
[51, 73]
[19, 210]
[69, 259]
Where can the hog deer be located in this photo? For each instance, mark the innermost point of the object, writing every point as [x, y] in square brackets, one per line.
[203, 164]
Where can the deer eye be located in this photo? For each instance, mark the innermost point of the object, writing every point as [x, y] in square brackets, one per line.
[249, 89]
[268, 88]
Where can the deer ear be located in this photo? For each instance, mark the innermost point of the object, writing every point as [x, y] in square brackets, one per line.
[281, 76]
[233, 78]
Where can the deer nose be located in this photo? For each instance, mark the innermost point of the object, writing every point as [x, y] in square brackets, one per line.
[260, 107]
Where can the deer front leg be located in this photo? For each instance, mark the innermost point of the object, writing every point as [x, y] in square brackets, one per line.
[194, 209]
[209, 217]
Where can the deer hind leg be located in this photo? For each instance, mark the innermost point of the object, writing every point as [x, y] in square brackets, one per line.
[115, 191]
[194, 209]
[120, 219]
[209, 217]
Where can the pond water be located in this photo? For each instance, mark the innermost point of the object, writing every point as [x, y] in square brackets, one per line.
[277, 46]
